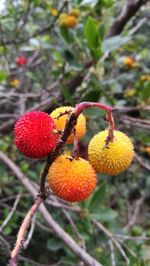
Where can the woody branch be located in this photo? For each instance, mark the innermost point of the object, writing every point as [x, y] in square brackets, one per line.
[70, 124]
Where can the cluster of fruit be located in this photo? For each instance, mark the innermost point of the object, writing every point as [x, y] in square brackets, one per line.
[70, 178]
[69, 20]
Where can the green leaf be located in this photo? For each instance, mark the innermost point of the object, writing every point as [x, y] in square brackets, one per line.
[92, 33]
[102, 31]
[66, 34]
[24, 166]
[104, 214]
[97, 197]
[54, 244]
[96, 53]
[114, 43]
[92, 3]
[31, 75]
[107, 3]
[7, 230]
[69, 56]
[146, 91]
[92, 96]
[3, 76]
[67, 95]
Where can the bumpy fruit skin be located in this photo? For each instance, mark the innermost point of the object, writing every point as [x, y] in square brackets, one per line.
[21, 61]
[114, 159]
[61, 122]
[70, 179]
[33, 134]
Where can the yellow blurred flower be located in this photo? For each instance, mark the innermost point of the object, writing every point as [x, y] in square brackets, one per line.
[145, 149]
[130, 62]
[53, 11]
[145, 77]
[15, 83]
[129, 92]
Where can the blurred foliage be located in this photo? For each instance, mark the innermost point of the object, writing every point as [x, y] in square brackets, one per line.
[119, 76]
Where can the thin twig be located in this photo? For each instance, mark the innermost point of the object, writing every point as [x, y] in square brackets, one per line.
[29, 237]
[60, 205]
[113, 261]
[142, 162]
[136, 238]
[130, 251]
[23, 231]
[136, 213]
[67, 215]
[6, 244]
[135, 122]
[132, 108]
[111, 236]
[5, 222]
[41, 226]
[52, 224]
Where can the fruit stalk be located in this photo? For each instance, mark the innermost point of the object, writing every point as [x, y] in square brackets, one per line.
[85, 105]
[75, 145]
[110, 119]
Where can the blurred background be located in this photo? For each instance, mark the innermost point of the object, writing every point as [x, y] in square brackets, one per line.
[103, 56]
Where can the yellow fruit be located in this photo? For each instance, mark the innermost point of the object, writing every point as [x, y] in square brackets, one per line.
[130, 62]
[71, 179]
[114, 159]
[75, 12]
[63, 20]
[67, 21]
[15, 83]
[129, 92]
[53, 11]
[61, 122]
[145, 77]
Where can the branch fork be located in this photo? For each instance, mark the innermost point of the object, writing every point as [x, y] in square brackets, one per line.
[43, 194]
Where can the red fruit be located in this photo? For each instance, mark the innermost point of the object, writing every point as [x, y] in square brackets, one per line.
[33, 134]
[21, 61]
